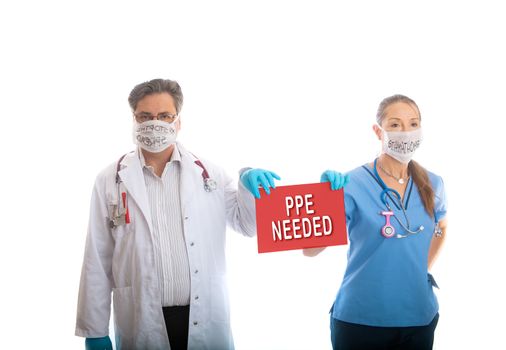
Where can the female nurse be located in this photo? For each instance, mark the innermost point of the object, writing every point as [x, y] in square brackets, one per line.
[395, 217]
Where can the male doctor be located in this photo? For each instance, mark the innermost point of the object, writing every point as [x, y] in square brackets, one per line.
[156, 237]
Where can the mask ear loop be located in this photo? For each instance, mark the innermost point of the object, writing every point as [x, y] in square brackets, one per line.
[175, 120]
[173, 125]
[379, 153]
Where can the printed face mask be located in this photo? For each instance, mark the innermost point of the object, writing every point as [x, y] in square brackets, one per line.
[401, 145]
[154, 135]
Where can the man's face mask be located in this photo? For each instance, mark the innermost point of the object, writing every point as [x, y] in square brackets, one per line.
[154, 135]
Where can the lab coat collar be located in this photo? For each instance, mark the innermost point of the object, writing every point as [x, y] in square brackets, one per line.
[133, 178]
[175, 156]
[191, 177]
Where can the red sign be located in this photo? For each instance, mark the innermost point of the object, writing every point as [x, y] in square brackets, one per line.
[300, 216]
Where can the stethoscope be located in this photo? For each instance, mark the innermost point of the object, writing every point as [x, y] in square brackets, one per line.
[120, 215]
[388, 230]
[209, 184]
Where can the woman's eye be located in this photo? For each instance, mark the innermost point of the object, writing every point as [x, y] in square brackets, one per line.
[394, 125]
[414, 125]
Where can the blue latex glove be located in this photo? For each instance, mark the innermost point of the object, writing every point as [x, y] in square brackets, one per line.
[253, 178]
[103, 343]
[336, 179]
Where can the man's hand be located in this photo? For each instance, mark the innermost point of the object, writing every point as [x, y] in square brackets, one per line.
[253, 178]
[103, 343]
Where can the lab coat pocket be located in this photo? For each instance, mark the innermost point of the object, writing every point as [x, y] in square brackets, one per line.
[123, 229]
[118, 219]
[124, 311]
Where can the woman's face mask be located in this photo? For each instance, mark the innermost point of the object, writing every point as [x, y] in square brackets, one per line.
[154, 135]
[401, 145]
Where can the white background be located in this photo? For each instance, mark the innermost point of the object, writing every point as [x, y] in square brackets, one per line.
[290, 86]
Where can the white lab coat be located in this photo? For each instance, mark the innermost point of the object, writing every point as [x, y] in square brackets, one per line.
[121, 259]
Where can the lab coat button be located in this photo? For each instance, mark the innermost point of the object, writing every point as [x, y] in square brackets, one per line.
[195, 323]
[192, 244]
[186, 217]
[196, 297]
[196, 271]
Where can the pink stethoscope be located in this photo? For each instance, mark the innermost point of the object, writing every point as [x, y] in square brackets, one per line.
[388, 231]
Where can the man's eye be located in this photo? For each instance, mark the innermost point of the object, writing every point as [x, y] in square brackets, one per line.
[415, 125]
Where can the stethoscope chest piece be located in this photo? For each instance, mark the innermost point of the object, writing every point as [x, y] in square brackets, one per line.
[209, 184]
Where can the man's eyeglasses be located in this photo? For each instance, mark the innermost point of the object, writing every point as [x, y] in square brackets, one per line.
[164, 117]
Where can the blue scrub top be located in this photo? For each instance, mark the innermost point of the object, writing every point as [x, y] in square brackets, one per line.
[386, 283]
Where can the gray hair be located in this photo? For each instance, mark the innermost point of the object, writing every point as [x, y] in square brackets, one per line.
[157, 86]
[391, 100]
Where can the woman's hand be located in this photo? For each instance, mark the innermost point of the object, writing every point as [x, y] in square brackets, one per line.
[336, 179]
